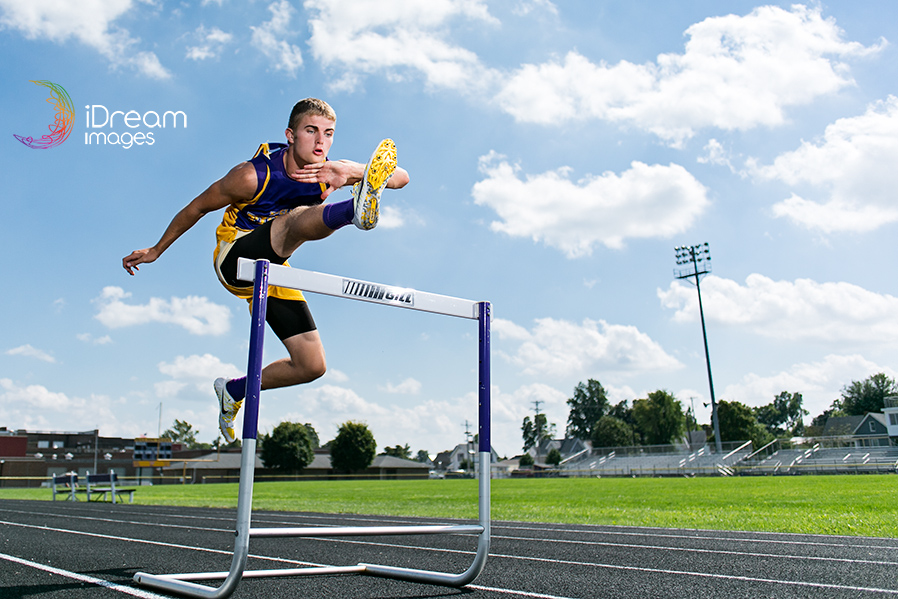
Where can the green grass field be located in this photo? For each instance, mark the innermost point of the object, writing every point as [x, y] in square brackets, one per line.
[834, 505]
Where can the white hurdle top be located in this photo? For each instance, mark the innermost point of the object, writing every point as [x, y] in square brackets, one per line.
[356, 289]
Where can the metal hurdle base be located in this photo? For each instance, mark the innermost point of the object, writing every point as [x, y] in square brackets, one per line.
[263, 274]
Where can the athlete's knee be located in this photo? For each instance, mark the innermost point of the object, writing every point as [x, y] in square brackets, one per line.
[316, 368]
[310, 367]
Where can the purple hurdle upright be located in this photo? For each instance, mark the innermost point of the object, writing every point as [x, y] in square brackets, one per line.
[263, 274]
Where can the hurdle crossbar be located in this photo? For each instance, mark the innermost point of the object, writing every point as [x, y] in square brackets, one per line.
[263, 275]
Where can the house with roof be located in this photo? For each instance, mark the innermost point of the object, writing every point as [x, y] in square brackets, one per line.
[570, 449]
[890, 411]
[459, 458]
[225, 467]
[869, 430]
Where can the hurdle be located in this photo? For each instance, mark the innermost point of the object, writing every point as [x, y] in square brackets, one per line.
[263, 274]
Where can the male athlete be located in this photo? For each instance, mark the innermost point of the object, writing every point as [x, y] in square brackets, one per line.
[275, 204]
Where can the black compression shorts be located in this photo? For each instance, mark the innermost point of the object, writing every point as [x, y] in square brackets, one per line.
[285, 317]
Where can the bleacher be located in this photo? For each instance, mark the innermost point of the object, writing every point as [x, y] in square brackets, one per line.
[827, 460]
[658, 461]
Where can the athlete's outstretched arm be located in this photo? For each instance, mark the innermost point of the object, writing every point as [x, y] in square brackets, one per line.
[239, 184]
[339, 173]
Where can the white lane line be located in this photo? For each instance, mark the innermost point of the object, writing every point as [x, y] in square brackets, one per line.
[495, 556]
[819, 585]
[84, 578]
[158, 543]
[816, 585]
[559, 541]
[544, 540]
[148, 595]
[855, 545]
[649, 531]
[513, 592]
[694, 550]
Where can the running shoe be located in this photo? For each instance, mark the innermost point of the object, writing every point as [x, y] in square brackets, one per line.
[228, 410]
[366, 193]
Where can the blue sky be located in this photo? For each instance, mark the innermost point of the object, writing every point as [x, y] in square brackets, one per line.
[558, 152]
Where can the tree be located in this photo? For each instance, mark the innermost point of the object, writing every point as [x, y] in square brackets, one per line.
[554, 457]
[868, 395]
[288, 447]
[526, 461]
[399, 451]
[611, 432]
[783, 417]
[422, 456]
[623, 411]
[588, 404]
[536, 431]
[184, 433]
[660, 417]
[313, 436]
[354, 447]
[738, 423]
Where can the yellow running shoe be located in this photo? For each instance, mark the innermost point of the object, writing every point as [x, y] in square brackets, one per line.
[228, 410]
[366, 193]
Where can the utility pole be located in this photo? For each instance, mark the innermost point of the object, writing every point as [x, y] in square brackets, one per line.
[469, 452]
[697, 262]
[536, 429]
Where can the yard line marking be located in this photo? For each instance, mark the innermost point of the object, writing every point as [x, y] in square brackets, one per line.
[84, 578]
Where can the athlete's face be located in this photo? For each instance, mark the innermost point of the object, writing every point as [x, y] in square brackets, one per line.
[312, 139]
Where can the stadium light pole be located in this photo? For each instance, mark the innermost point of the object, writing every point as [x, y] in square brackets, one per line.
[695, 261]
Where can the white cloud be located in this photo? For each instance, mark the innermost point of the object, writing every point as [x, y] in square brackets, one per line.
[35, 396]
[737, 72]
[562, 348]
[716, 154]
[525, 7]
[646, 201]
[361, 37]
[820, 383]
[31, 352]
[91, 22]
[199, 371]
[268, 38]
[391, 218]
[853, 164]
[195, 314]
[409, 386]
[35, 407]
[835, 313]
[211, 43]
[88, 338]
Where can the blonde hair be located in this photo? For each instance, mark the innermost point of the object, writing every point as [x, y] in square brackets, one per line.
[312, 106]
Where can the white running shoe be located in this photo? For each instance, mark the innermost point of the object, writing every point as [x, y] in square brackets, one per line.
[228, 409]
[366, 193]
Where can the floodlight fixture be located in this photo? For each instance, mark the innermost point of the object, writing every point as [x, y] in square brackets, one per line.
[696, 262]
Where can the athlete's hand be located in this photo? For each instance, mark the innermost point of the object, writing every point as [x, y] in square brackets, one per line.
[136, 257]
[334, 174]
